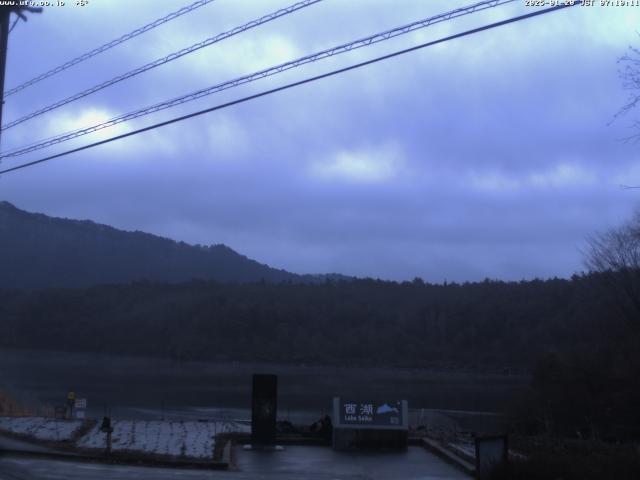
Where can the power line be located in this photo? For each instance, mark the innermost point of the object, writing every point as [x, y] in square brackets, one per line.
[168, 58]
[296, 84]
[347, 47]
[108, 45]
[5, 14]
[36, 143]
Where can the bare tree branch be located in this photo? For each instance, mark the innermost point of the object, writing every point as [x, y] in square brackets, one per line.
[629, 73]
[615, 256]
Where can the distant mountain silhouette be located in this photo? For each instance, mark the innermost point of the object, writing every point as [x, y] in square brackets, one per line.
[37, 251]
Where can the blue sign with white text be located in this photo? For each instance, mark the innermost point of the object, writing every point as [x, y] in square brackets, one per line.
[371, 413]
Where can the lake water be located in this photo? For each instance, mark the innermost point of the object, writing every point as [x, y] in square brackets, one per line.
[137, 387]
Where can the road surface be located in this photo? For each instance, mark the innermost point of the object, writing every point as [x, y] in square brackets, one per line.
[300, 463]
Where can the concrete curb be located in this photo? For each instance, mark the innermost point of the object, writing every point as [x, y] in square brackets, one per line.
[118, 460]
[449, 457]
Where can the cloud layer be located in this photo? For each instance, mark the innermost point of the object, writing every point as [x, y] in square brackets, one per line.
[488, 156]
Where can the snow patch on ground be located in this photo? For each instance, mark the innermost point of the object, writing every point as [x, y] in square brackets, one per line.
[192, 439]
[41, 428]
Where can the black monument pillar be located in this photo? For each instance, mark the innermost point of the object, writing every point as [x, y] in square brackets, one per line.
[264, 409]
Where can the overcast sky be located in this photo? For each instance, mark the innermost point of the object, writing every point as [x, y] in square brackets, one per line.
[487, 156]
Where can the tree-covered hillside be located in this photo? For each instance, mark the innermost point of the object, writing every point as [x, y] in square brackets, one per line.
[37, 251]
[363, 321]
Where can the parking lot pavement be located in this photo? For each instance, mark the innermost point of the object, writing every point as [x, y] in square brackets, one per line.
[414, 464]
[294, 462]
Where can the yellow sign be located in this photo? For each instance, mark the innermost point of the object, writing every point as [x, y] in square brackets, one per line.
[71, 396]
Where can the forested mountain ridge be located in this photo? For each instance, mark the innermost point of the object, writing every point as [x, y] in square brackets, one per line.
[38, 251]
[363, 321]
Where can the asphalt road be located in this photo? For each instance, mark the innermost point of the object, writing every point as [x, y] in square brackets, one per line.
[303, 463]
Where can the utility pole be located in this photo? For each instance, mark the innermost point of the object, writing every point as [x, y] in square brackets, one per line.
[5, 14]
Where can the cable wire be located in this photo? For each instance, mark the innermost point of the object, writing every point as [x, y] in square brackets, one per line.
[347, 47]
[296, 84]
[168, 58]
[107, 46]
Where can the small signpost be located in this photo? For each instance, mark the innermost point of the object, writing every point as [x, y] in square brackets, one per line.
[108, 429]
[80, 406]
[71, 398]
[370, 424]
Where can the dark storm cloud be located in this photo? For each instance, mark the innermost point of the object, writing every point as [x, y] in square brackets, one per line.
[486, 156]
